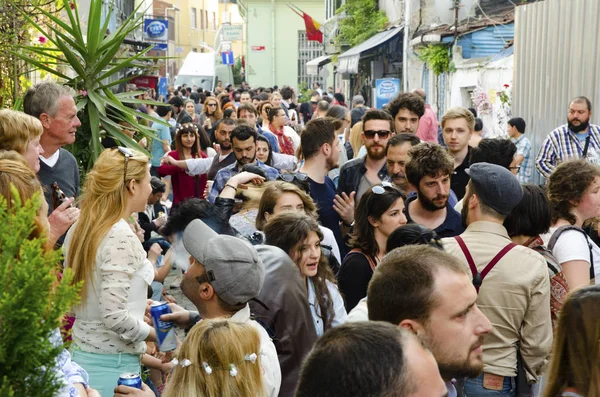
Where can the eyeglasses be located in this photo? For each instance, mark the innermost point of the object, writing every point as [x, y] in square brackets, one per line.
[516, 168]
[383, 134]
[127, 153]
[380, 189]
[300, 176]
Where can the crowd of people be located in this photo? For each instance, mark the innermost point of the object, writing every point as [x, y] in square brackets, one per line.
[329, 251]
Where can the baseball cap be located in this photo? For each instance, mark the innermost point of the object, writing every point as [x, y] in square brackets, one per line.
[232, 264]
[496, 186]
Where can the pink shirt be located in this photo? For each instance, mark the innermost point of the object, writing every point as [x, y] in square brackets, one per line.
[428, 126]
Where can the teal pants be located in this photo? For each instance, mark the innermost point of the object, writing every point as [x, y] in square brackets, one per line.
[104, 369]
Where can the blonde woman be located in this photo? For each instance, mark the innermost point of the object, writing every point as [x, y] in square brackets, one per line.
[219, 358]
[21, 132]
[212, 113]
[356, 139]
[109, 332]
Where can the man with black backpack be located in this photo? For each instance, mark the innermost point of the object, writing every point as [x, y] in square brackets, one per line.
[512, 282]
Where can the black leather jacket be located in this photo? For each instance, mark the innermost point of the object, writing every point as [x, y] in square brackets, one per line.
[352, 172]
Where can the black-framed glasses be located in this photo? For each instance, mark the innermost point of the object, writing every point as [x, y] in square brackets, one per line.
[212, 104]
[383, 134]
[516, 168]
[380, 189]
[127, 153]
[289, 177]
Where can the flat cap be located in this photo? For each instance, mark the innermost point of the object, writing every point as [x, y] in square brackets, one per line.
[496, 186]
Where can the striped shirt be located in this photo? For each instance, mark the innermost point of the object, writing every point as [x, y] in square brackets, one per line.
[562, 144]
[524, 148]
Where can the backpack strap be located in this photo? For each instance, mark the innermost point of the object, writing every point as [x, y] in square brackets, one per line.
[561, 230]
[477, 276]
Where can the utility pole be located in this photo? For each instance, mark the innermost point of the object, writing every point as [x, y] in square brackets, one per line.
[456, 6]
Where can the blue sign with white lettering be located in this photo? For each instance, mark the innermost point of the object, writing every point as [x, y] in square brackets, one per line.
[385, 91]
[227, 57]
[156, 30]
[161, 47]
[162, 86]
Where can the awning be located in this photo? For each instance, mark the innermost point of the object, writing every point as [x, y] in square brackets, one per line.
[348, 61]
[313, 66]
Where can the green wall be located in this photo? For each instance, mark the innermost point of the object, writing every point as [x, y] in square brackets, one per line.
[259, 64]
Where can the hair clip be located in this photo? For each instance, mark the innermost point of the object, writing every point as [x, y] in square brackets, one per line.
[207, 368]
[186, 363]
[250, 357]
[232, 370]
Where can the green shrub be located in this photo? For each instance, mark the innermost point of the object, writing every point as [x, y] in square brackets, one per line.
[32, 303]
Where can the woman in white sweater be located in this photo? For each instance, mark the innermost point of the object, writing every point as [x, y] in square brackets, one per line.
[109, 333]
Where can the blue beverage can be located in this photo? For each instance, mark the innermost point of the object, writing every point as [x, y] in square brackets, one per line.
[165, 332]
[130, 379]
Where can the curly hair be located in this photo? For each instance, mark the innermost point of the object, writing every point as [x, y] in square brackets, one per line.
[427, 159]
[568, 184]
[407, 100]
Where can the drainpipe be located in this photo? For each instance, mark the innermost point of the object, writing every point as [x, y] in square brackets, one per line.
[405, 45]
[273, 40]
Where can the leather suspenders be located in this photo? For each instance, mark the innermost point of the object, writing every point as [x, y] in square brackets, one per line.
[478, 277]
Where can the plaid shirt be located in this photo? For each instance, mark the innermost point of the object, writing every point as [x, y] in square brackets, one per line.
[225, 173]
[562, 145]
[524, 149]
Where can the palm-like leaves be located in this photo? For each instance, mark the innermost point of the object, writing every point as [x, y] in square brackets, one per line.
[96, 58]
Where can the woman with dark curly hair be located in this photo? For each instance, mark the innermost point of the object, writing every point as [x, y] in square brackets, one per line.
[574, 195]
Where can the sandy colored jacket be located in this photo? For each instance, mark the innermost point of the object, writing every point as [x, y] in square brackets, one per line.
[515, 297]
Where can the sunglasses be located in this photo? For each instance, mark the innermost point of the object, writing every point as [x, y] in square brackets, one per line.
[212, 104]
[300, 176]
[127, 153]
[380, 189]
[383, 134]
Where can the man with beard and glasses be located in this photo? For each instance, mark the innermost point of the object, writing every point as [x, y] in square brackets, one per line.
[243, 142]
[396, 154]
[428, 292]
[360, 174]
[321, 153]
[224, 274]
[428, 171]
[512, 282]
[576, 139]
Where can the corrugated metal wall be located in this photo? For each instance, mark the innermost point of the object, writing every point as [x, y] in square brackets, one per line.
[557, 57]
[484, 42]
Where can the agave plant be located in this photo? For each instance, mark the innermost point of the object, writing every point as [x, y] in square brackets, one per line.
[99, 63]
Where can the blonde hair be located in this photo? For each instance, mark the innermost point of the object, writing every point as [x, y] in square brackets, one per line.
[103, 203]
[356, 138]
[14, 172]
[273, 193]
[459, 113]
[17, 129]
[218, 343]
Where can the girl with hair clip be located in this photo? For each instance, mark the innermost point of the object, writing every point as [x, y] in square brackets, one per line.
[575, 367]
[109, 332]
[300, 237]
[219, 358]
[379, 212]
[263, 111]
[265, 154]
[187, 146]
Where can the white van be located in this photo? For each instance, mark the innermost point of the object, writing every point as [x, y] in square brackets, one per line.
[203, 69]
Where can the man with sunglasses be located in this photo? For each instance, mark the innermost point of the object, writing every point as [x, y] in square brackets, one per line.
[358, 175]
[512, 282]
[428, 171]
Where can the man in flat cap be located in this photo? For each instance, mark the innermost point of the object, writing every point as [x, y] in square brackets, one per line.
[512, 282]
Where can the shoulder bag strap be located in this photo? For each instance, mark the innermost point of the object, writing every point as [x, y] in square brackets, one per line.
[587, 144]
[371, 261]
